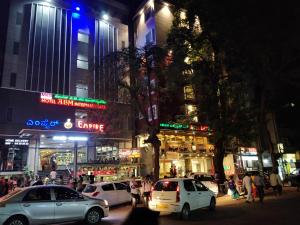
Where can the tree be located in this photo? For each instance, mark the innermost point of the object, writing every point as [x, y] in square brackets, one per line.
[135, 69]
[222, 105]
[256, 41]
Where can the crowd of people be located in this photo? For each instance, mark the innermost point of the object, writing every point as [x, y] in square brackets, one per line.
[253, 186]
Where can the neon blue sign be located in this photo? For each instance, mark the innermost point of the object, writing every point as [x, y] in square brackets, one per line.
[46, 124]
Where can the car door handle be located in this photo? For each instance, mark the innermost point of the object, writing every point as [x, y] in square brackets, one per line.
[188, 193]
[26, 205]
[199, 193]
[58, 203]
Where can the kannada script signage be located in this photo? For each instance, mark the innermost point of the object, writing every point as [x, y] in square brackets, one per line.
[72, 101]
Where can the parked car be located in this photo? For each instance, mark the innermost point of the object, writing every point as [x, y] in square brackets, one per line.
[207, 180]
[114, 192]
[50, 204]
[181, 195]
[292, 180]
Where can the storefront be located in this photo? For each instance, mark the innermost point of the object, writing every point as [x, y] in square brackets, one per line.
[184, 149]
[66, 133]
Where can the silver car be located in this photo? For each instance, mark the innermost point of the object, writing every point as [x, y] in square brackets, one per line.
[50, 204]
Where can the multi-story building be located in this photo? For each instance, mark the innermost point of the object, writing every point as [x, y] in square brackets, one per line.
[184, 147]
[57, 102]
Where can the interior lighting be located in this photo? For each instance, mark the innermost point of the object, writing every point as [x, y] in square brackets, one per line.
[71, 138]
[105, 17]
[78, 138]
[77, 8]
[59, 138]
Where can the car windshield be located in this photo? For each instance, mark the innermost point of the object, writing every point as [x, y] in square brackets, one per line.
[90, 189]
[9, 195]
[166, 186]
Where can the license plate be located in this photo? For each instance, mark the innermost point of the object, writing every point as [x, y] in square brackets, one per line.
[161, 206]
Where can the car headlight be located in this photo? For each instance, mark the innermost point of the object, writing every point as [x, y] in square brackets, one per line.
[103, 202]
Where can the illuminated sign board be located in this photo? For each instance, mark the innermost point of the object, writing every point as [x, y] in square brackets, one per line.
[89, 126]
[17, 142]
[47, 124]
[179, 126]
[174, 125]
[73, 101]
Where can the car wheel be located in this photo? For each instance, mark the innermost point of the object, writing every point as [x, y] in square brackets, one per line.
[212, 205]
[93, 216]
[16, 220]
[185, 212]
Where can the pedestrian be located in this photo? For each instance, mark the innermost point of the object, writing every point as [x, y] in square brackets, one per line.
[247, 185]
[92, 178]
[46, 180]
[70, 182]
[134, 191]
[80, 184]
[2, 186]
[6, 187]
[11, 184]
[171, 172]
[298, 181]
[146, 189]
[74, 184]
[232, 187]
[101, 179]
[53, 175]
[253, 188]
[259, 184]
[276, 183]
[61, 180]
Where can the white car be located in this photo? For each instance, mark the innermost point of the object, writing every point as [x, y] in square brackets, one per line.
[207, 180]
[51, 204]
[181, 195]
[114, 192]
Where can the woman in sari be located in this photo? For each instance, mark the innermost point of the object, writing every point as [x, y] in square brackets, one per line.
[232, 187]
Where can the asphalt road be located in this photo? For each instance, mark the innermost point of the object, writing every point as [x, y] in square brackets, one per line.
[279, 210]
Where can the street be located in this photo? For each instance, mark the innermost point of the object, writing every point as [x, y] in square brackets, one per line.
[275, 210]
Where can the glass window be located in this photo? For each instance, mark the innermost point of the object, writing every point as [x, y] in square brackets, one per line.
[123, 44]
[166, 186]
[82, 37]
[38, 194]
[191, 110]
[81, 64]
[90, 189]
[62, 193]
[13, 80]
[200, 186]
[188, 185]
[120, 186]
[189, 93]
[19, 18]
[16, 48]
[108, 187]
[82, 90]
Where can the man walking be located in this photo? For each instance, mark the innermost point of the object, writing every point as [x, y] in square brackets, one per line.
[276, 183]
[134, 191]
[247, 182]
[259, 184]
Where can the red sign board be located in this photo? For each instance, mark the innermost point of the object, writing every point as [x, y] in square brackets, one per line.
[72, 103]
[90, 126]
